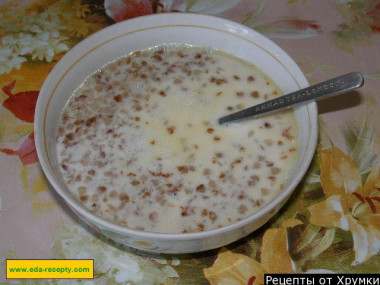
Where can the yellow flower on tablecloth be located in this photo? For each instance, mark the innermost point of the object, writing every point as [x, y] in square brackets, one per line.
[349, 205]
[232, 268]
[275, 256]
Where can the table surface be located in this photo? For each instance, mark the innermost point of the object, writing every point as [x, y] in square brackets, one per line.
[331, 223]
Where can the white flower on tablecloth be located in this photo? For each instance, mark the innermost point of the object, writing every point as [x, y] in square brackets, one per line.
[42, 46]
[9, 60]
[35, 35]
[46, 44]
[113, 263]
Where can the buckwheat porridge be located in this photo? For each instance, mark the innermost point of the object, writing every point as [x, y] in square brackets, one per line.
[139, 144]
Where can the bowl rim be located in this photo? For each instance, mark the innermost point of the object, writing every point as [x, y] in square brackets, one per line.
[167, 19]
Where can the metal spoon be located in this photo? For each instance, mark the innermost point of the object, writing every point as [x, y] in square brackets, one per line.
[318, 91]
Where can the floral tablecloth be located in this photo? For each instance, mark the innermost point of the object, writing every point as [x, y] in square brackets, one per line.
[331, 223]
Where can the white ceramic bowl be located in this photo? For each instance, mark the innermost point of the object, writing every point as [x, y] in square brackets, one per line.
[143, 32]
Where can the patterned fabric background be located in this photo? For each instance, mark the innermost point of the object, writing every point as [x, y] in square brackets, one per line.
[331, 223]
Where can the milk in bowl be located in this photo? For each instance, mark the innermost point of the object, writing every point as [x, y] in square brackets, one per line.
[139, 143]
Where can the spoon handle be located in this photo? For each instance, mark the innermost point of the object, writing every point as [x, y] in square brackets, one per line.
[318, 91]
